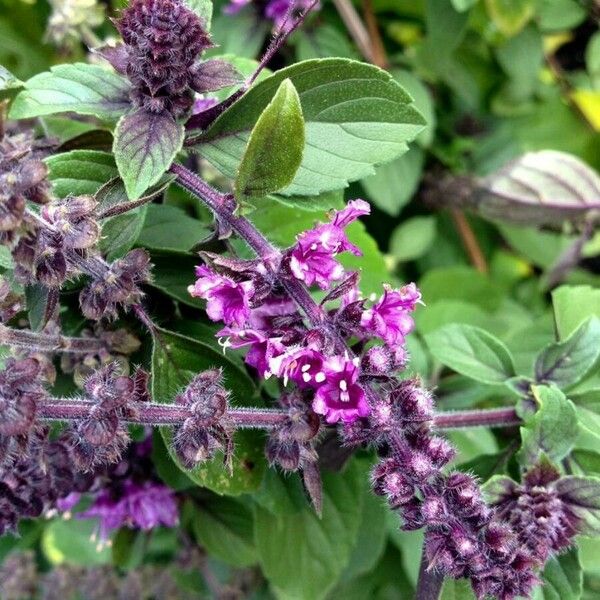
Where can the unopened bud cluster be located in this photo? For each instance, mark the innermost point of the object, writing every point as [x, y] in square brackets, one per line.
[163, 39]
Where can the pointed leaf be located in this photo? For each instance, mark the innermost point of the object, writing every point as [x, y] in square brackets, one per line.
[274, 150]
[356, 117]
[473, 352]
[145, 146]
[566, 363]
[583, 496]
[81, 88]
[552, 429]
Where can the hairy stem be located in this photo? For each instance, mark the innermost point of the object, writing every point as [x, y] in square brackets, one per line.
[495, 417]
[429, 584]
[41, 342]
[63, 409]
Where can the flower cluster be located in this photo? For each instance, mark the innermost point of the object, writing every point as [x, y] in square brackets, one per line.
[206, 430]
[247, 297]
[499, 548]
[58, 241]
[163, 39]
[281, 12]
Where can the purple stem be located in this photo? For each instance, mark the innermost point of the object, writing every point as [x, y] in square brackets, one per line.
[41, 342]
[62, 409]
[152, 413]
[496, 417]
[429, 585]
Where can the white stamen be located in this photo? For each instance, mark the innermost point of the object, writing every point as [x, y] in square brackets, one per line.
[306, 377]
[305, 368]
[320, 377]
[343, 385]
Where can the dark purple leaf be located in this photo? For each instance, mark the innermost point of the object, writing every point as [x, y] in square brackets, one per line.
[145, 146]
[583, 496]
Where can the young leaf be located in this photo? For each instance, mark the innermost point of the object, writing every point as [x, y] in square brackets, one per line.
[473, 352]
[356, 117]
[274, 150]
[562, 578]
[175, 359]
[9, 84]
[582, 494]
[552, 429]
[145, 146]
[566, 363]
[81, 88]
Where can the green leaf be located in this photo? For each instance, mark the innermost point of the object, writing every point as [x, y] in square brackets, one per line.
[322, 42]
[173, 274]
[587, 460]
[552, 429]
[204, 9]
[275, 148]
[370, 540]
[175, 360]
[36, 296]
[72, 542]
[145, 146]
[461, 283]
[510, 16]
[225, 527]
[394, 183]
[296, 543]
[413, 238]
[582, 494]
[473, 352]
[573, 305]
[356, 117]
[456, 589]
[241, 36]
[81, 88]
[80, 172]
[120, 233]
[170, 228]
[562, 578]
[567, 363]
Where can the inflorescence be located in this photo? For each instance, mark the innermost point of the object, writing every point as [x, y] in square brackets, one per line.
[339, 362]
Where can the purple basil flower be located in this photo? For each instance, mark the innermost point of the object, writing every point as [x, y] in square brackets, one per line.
[303, 366]
[144, 506]
[339, 397]
[227, 300]
[390, 317]
[312, 258]
[261, 351]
